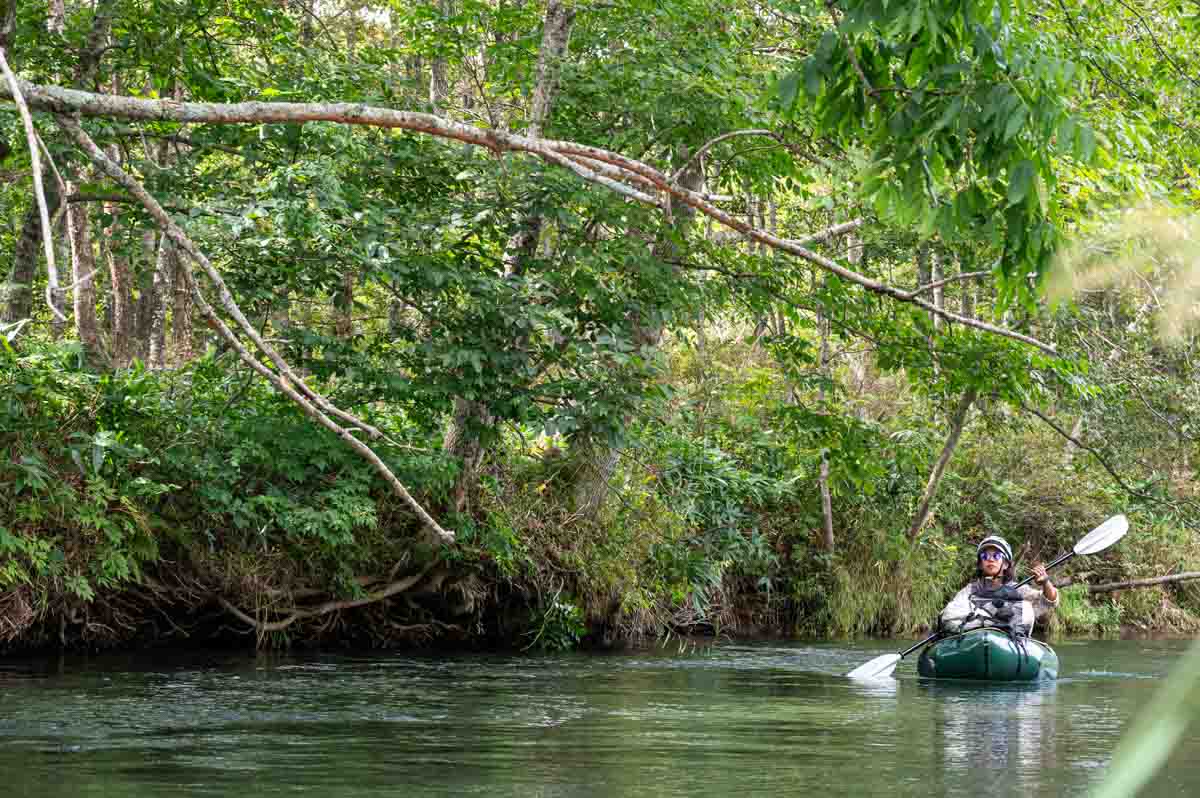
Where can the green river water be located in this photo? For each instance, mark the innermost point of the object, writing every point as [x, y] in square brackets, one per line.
[729, 719]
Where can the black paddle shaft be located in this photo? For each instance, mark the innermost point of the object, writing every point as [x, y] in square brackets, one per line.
[1054, 564]
[915, 646]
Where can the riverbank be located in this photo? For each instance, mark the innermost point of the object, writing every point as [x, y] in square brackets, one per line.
[195, 505]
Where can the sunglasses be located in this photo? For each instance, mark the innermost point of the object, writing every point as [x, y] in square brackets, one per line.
[991, 554]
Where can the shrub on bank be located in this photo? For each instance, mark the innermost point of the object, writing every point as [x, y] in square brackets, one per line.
[130, 500]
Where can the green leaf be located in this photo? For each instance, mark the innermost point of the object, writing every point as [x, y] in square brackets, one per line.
[790, 85]
[1015, 122]
[1019, 181]
[1085, 143]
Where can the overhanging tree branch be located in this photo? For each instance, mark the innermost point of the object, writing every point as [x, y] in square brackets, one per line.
[69, 101]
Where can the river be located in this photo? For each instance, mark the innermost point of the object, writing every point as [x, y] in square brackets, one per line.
[729, 719]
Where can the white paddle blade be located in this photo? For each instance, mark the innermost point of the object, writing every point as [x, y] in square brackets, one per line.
[877, 668]
[1103, 536]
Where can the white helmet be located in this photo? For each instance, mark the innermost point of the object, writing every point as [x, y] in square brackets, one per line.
[995, 542]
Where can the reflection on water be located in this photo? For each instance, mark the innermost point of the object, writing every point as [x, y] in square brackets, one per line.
[727, 720]
[1001, 737]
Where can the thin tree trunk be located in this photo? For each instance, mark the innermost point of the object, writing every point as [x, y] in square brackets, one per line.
[164, 267]
[939, 292]
[1069, 452]
[968, 293]
[343, 318]
[596, 460]
[439, 83]
[83, 274]
[25, 259]
[182, 347]
[957, 422]
[120, 281]
[145, 304]
[827, 538]
[62, 254]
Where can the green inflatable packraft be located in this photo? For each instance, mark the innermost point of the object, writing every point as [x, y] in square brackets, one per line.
[988, 655]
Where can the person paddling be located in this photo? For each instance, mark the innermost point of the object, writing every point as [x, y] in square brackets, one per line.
[988, 600]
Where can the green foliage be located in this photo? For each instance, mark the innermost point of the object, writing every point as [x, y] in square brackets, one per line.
[560, 626]
[1077, 615]
[979, 134]
[964, 109]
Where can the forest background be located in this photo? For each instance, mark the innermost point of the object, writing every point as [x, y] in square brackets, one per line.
[535, 324]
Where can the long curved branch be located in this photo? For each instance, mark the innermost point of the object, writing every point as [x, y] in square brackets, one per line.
[38, 190]
[60, 100]
[285, 380]
[714, 142]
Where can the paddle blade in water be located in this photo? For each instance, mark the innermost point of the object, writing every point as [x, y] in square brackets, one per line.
[877, 668]
[1103, 536]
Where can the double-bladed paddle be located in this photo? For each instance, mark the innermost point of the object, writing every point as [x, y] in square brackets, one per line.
[1093, 542]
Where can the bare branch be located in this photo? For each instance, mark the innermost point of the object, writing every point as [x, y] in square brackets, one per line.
[713, 142]
[39, 193]
[1132, 583]
[1112, 472]
[286, 381]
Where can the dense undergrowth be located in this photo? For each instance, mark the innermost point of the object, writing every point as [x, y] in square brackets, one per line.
[139, 505]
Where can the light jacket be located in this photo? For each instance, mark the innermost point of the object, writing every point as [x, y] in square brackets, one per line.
[1033, 605]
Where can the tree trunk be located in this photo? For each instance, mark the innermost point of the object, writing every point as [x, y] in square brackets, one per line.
[939, 293]
[1069, 451]
[957, 422]
[343, 306]
[464, 441]
[182, 349]
[26, 251]
[62, 254]
[121, 283]
[439, 83]
[471, 419]
[164, 267]
[827, 538]
[83, 275]
[968, 293]
[145, 305]
[595, 460]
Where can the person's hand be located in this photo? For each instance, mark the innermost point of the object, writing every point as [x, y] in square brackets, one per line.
[1039, 573]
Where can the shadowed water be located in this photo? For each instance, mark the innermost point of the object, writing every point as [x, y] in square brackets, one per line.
[728, 719]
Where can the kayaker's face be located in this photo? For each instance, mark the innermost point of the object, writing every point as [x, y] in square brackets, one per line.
[990, 564]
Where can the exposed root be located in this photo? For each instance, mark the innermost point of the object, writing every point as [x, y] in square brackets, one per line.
[294, 614]
[16, 614]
